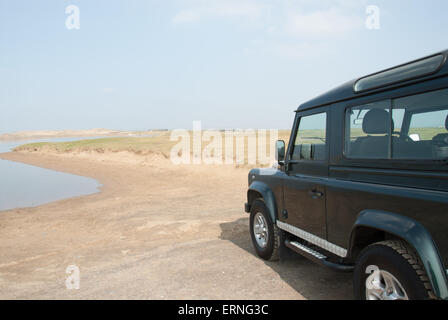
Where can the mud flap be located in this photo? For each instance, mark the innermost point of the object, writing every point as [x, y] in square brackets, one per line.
[284, 253]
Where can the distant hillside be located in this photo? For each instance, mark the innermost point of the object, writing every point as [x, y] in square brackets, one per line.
[28, 135]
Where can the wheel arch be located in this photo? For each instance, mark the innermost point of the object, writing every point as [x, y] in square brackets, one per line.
[260, 189]
[372, 225]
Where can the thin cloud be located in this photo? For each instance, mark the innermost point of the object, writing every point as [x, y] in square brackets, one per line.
[323, 23]
[293, 29]
[107, 90]
[319, 18]
[186, 16]
[202, 10]
[300, 50]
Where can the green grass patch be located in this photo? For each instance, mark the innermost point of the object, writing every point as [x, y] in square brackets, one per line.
[137, 145]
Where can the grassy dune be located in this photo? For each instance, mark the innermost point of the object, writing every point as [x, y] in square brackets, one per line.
[160, 144]
[136, 145]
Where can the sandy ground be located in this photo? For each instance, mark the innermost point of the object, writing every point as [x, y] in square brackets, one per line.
[155, 231]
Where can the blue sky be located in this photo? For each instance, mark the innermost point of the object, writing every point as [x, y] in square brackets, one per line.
[136, 65]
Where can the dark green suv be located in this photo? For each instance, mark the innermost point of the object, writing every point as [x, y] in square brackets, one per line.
[363, 183]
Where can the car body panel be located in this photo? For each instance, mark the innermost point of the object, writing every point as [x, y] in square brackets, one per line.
[267, 183]
[304, 210]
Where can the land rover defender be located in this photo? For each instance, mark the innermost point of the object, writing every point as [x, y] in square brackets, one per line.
[363, 184]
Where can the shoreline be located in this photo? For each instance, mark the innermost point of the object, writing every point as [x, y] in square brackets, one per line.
[155, 231]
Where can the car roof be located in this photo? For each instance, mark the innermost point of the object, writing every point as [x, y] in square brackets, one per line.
[346, 91]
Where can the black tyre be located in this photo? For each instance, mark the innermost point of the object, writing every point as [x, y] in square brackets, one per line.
[264, 233]
[390, 270]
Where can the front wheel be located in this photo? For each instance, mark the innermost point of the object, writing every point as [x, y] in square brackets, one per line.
[390, 270]
[264, 233]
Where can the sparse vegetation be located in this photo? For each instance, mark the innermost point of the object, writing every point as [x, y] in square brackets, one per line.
[160, 144]
[138, 145]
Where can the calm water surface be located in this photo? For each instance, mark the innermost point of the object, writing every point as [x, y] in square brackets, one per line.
[23, 185]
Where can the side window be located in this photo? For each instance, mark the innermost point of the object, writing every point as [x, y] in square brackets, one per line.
[427, 134]
[414, 127]
[310, 141]
[368, 131]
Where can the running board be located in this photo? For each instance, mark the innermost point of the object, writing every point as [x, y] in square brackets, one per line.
[316, 256]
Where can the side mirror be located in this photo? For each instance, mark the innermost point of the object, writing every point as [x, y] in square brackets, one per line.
[415, 137]
[280, 152]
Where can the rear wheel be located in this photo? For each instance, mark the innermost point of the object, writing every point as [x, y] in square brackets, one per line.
[390, 270]
[264, 233]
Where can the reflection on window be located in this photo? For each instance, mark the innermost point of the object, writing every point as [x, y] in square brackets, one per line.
[310, 142]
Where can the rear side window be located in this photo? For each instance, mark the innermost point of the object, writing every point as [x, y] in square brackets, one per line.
[310, 141]
[414, 127]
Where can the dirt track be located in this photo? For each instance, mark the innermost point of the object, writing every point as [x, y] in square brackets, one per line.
[156, 231]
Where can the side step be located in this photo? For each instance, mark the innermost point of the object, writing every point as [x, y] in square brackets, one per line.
[316, 256]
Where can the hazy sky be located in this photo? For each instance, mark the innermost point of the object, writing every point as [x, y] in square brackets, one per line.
[136, 64]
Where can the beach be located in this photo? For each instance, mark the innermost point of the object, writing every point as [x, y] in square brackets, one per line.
[154, 231]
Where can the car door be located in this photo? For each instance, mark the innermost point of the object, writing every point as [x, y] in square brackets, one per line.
[307, 172]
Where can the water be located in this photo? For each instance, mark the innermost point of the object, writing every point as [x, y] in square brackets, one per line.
[6, 146]
[22, 185]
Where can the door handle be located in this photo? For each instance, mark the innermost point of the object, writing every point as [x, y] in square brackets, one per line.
[316, 194]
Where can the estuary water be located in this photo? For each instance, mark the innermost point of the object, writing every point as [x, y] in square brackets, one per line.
[23, 185]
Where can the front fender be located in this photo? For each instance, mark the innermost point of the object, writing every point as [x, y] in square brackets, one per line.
[268, 197]
[413, 233]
